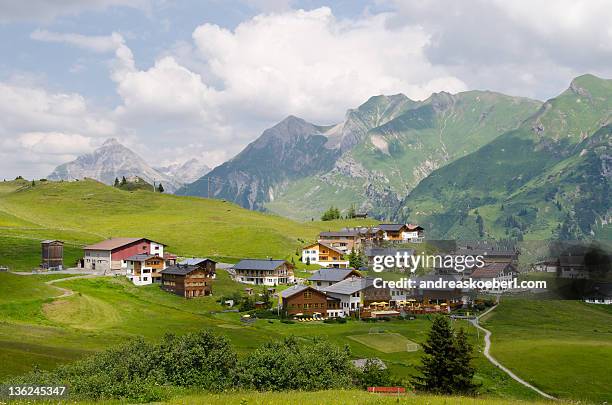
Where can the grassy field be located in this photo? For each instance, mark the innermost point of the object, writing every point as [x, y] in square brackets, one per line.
[107, 311]
[549, 344]
[87, 211]
[562, 347]
[383, 342]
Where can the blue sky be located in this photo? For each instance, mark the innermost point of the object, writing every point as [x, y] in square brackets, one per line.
[178, 79]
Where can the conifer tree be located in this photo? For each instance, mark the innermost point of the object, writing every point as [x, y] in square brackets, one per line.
[116, 184]
[438, 360]
[160, 188]
[463, 372]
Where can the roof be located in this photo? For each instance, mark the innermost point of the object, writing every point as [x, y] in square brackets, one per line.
[491, 270]
[324, 245]
[342, 233]
[179, 270]
[51, 241]
[291, 291]
[258, 264]
[350, 286]
[369, 252]
[391, 227]
[194, 261]
[113, 243]
[331, 274]
[361, 363]
[141, 257]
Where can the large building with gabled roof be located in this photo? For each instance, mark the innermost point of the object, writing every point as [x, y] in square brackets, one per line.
[267, 272]
[326, 277]
[111, 254]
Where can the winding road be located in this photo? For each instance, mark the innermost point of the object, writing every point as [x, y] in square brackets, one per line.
[496, 363]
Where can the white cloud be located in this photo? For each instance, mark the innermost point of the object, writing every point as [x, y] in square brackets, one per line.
[211, 95]
[529, 48]
[41, 129]
[311, 64]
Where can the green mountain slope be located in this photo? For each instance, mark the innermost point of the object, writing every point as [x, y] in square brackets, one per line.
[87, 211]
[392, 157]
[548, 178]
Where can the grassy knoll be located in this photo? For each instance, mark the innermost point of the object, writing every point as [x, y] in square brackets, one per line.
[87, 211]
[22, 252]
[562, 347]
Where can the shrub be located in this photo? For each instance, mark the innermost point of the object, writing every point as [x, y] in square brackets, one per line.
[281, 366]
[374, 375]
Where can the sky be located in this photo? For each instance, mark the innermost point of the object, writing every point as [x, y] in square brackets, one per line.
[175, 80]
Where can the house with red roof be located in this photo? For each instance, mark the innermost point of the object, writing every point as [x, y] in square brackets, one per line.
[112, 254]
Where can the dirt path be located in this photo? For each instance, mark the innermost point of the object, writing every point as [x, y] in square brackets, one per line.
[66, 292]
[496, 363]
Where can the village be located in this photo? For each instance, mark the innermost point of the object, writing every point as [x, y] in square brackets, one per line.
[341, 284]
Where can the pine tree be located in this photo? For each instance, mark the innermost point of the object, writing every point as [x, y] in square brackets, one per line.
[160, 188]
[116, 182]
[437, 369]
[447, 361]
[463, 372]
[123, 181]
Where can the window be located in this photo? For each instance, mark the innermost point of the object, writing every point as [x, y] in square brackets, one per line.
[308, 295]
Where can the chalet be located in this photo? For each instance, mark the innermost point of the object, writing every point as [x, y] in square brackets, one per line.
[52, 254]
[197, 261]
[500, 271]
[304, 300]
[355, 292]
[189, 280]
[572, 265]
[401, 232]
[264, 272]
[143, 269]
[324, 255]
[344, 240]
[111, 254]
[326, 277]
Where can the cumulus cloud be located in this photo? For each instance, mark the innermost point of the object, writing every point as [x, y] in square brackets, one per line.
[212, 94]
[530, 48]
[41, 129]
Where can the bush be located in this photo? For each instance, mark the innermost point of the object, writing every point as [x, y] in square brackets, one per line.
[137, 371]
[341, 320]
[374, 375]
[289, 365]
[287, 321]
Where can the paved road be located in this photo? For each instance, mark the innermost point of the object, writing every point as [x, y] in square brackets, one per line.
[496, 363]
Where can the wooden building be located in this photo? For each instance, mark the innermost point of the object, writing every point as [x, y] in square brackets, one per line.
[189, 280]
[324, 255]
[304, 300]
[145, 269]
[52, 254]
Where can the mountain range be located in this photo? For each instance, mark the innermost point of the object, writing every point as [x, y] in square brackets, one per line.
[473, 164]
[113, 160]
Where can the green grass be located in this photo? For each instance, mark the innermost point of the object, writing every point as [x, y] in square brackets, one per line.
[562, 347]
[87, 211]
[109, 310]
[383, 342]
[23, 252]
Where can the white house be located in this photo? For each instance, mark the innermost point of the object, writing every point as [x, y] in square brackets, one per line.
[143, 269]
[350, 292]
[324, 255]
